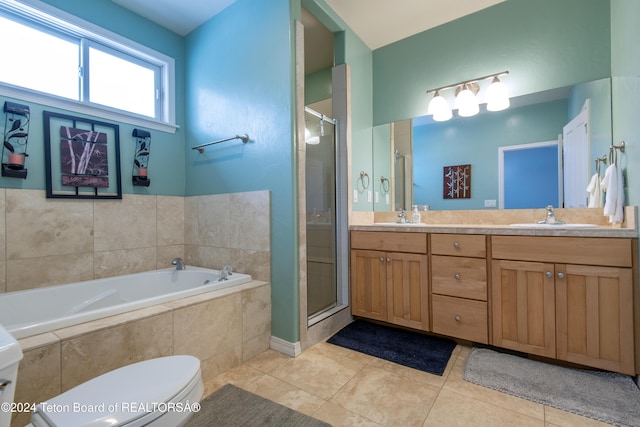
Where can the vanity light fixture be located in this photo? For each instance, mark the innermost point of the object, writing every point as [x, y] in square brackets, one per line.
[439, 108]
[497, 96]
[466, 102]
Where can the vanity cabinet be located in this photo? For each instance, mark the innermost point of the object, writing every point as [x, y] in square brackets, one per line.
[459, 286]
[389, 279]
[569, 298]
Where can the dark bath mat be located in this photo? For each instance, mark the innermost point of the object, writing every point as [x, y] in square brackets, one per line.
[415, 350]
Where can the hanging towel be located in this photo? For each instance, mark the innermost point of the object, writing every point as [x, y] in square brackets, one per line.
[613, 185]
[595, 192]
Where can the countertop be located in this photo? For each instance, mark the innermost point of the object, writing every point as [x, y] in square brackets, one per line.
[498, 222]
[505, 230]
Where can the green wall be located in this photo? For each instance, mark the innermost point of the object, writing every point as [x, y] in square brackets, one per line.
[544, 44]
[625, 71]
[239, 79]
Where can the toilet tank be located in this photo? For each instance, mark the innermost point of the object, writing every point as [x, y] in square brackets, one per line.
[10, 355]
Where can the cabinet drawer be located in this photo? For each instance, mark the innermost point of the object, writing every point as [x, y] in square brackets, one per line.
[389, 241]
[470, 245]
[459, 277]
[574, 250]
[460, 318]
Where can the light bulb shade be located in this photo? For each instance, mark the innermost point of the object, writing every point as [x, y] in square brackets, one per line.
[439, 108]
[467, 103]
[497, 96]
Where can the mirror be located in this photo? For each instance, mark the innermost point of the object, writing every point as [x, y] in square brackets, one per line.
[416, 151]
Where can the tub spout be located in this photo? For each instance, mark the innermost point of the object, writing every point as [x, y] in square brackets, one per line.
[179, 263]
[224, 273]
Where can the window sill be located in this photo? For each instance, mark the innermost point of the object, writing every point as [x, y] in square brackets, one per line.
[105, 113]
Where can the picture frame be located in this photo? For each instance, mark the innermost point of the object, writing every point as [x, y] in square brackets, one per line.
[456, 182]
[82, 157]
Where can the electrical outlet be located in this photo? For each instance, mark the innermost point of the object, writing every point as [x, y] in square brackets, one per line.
[489, 203]
[387, 199]
[377, 197]
[355, 196]
[369, 196]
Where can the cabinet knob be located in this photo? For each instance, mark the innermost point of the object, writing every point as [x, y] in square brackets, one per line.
[456, 245]
[458, 318]
[457, 276]
[548, 274]
[560, 275]
[381, 259]
[388, 259]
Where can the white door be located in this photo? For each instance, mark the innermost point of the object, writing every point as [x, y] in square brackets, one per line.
[575, 153]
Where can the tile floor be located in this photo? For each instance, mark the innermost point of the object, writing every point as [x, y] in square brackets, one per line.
[346, 388]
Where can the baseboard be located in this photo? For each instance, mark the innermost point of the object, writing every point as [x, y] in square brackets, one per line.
[292, 349]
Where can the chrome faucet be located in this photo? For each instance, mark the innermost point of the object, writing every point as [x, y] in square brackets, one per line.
[402, 216]
[179, 263]
[224, 273]
[551, 217]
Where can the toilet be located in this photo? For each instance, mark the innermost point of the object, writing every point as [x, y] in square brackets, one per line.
[161, 392]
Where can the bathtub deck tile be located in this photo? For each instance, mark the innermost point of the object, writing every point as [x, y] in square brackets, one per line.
[90, 355]
[206, 296]
[108, 322]
[38, 378]
[209, 328]
[36, 341]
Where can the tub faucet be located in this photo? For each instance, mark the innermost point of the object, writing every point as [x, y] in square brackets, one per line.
[224, 273]
[179, 263]
[551, 217]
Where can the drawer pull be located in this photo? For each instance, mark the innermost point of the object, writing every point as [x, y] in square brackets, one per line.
[548, 274]
[458, 318]
[560, 275]
[457, 276]
[456, 245]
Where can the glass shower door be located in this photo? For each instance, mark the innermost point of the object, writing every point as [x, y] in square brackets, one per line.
[321, 208]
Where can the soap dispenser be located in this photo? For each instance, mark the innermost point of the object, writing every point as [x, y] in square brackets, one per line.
[415, 216]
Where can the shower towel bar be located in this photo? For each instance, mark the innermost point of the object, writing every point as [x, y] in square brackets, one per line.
[200, 148]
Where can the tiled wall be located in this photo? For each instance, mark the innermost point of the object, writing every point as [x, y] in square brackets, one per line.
[46, 242]
[230, 229]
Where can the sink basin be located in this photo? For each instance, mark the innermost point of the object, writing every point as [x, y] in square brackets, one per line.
[400, 224]
[534, 225]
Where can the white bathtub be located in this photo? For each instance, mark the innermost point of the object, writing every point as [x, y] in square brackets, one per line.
[34, 311]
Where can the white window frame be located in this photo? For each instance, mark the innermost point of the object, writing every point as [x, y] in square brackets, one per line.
[43, 13]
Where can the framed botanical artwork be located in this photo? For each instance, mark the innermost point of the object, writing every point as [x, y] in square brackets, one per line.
[82, 158]
[456, 182]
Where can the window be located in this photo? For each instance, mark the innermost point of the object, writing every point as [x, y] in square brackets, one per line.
[55, 55]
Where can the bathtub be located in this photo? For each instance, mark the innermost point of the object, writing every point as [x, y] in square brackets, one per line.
[35, 311]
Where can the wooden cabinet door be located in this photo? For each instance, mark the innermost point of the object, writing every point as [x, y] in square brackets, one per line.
[523, 306]
[594, 316]
[369, 284]
[407, 290]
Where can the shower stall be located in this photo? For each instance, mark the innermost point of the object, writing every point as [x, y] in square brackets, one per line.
[322, 292]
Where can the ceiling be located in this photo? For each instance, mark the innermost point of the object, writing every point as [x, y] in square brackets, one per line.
[376, 22]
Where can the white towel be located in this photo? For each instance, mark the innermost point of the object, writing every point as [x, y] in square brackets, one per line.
[613, 185]
[595, 192]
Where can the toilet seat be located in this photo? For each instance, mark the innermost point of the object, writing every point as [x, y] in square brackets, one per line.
[134, 395]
